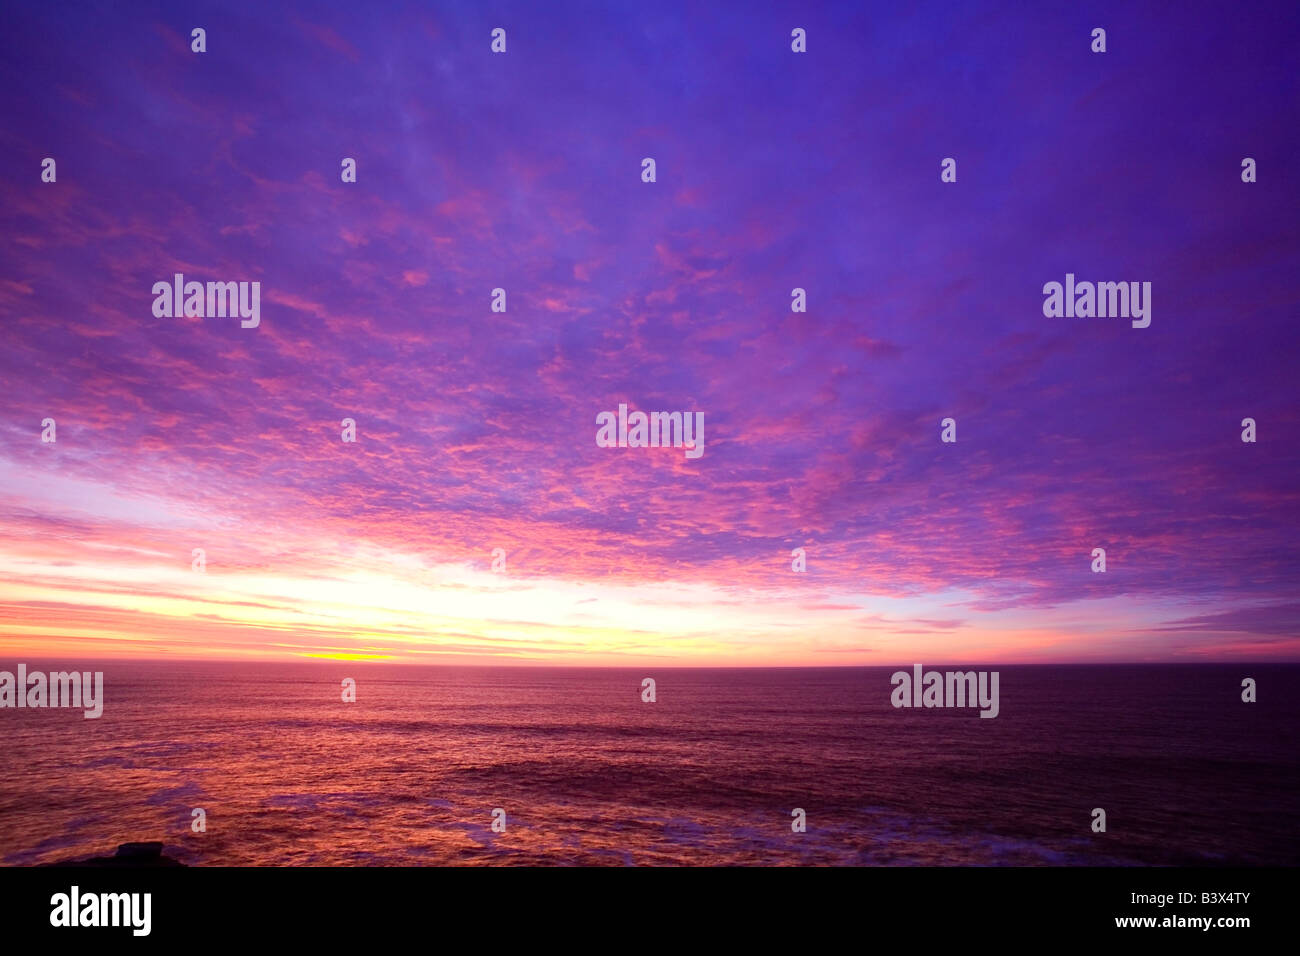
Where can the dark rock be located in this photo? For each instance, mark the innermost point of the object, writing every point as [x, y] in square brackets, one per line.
[140, 852]
[128, 855]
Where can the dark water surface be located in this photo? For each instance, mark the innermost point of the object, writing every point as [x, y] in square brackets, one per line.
[588, 774]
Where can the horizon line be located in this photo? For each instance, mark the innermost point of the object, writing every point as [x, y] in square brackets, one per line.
[694, 667]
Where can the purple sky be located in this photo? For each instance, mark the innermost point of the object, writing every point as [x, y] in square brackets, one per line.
[476, 429]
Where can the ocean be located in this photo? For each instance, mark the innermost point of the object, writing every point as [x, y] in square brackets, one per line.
[586, 773]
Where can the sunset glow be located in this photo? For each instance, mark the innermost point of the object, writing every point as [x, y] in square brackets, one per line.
[476, 429]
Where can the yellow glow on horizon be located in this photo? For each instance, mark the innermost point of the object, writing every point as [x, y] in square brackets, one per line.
[364, 602]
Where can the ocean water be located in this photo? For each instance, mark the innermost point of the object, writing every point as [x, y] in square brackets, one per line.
[587, 774]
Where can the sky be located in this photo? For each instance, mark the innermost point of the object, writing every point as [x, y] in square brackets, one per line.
[476, 429]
